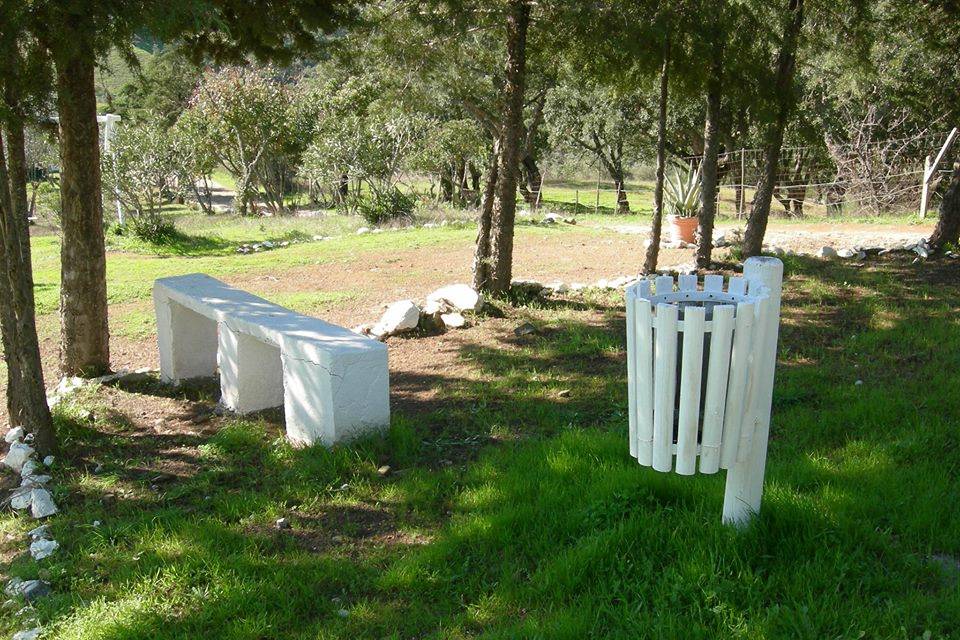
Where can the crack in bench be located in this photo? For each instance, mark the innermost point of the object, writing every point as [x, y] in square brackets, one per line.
[333, 383]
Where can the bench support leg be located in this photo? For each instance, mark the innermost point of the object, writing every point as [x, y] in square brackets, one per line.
[327, 403]
[187, 341]
[251, 378]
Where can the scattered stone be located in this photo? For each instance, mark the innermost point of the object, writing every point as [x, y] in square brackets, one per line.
[42, 531]
[453, 320]
[48, 461]
[13, 587]
[525, 329]
[564, 393]
[922, 249]
[570, 220]
[18, 454]
[551, 218]
[29, 468]
[14, 434]
[43, 548]
[34, 589]
[827, 252]
[384, 471]
[577, 286]
[556, 287]
[728, 238]
[527, 287]
[363, 230]
[343, 613]
[282, 523]
[858, 383]
[460, 297]
[34, 480]
[20, 498]
[401, 316]
[98, 468]
[41, 503]
[622, 282]
[27, 634]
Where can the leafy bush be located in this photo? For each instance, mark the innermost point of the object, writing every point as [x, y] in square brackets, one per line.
[141, 172]
[385, 206]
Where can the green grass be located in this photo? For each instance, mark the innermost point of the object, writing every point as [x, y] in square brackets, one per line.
[517, 514]
[210, 247]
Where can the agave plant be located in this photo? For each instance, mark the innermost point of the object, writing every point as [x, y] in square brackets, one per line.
[682, 193]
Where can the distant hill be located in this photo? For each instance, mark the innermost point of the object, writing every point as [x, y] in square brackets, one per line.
[115, 74]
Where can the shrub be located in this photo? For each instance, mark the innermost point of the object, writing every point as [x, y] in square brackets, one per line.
[386, 206]
[140, 171]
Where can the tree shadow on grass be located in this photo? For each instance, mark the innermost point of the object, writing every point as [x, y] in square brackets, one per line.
[554, 531]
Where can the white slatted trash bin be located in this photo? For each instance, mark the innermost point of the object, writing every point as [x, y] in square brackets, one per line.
[700, 362]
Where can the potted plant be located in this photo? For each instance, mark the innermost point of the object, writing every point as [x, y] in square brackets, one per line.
[681, 193]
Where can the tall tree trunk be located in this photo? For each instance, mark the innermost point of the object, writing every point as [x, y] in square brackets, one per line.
[773, 142]
[708, 171]
[653, 249]
[8, 320]
[84, 335]
[33, 413]
[623, 203]
[501, 249]
[481, 257]
[947, 230]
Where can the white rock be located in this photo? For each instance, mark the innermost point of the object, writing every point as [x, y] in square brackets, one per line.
[43, 548]
[921, 250]
[42, 531]
[48, 461]
[846, 254]
[453, 320]
[14, 434]
[622, 281]
[27, 634]
[435, 307]
[400, 316]
[577, 286]
[29, 468]
[41, 503]
[18, 454]
[827, 251]
[363, 230]
[461, 297]
[34, 480]
[557, 286]
[20, 498]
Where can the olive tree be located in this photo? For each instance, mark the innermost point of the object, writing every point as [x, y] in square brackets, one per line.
[141, 171]
[245, 116]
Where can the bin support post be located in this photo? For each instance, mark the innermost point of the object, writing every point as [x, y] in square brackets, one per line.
[744, 487]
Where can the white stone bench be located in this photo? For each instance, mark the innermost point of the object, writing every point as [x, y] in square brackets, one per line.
[332, 382]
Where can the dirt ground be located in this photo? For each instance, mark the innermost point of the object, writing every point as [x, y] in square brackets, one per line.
[377, 279]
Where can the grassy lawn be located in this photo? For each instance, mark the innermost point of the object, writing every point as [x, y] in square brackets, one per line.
[513, 511]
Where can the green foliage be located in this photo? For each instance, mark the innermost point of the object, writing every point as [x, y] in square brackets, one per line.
[141, 170]
[387, 205]
[243, 117]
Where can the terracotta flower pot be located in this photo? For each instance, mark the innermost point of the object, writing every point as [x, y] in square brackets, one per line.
[683, 229]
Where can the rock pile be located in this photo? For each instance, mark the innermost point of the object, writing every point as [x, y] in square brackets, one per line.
[443, 309]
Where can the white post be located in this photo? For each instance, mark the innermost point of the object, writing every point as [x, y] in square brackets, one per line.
[929, 168]
[925, 187]
[744, 487]
[109, 127]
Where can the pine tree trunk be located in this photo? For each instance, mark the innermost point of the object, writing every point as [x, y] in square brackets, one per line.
[783, 90]
[8, 320]
[504, 214]
[84, 335]
[708, 171]
[481, 256]
[653, 249]
[947, 231]
[33, 412]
